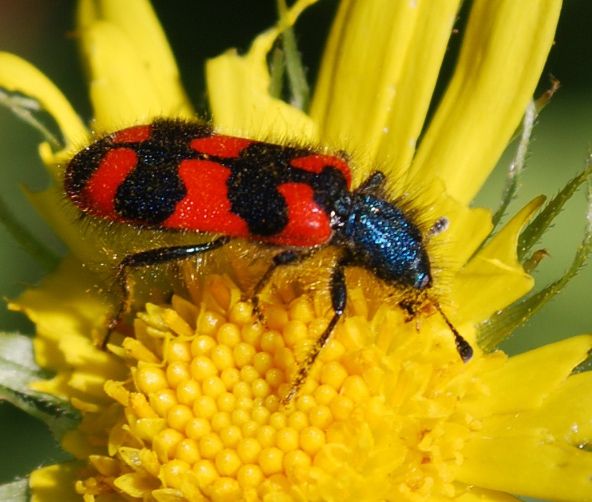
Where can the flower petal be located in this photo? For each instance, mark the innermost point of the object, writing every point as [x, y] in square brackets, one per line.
[540, 372]
[64, 319]
[121, 88]
[495, 272]
[137, 20]
[363, 103]
[363, 65]
[54, 482]
[549, 470]
[495, 77]
[538, 428]
[468, 227]
[567, 411]
[18, 75]
[238, 90]
[415, 87]
[49, 203]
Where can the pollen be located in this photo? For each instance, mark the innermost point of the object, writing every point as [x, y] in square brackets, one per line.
[205, 412]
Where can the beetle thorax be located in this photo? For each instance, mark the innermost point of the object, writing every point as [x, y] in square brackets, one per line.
[380, 237]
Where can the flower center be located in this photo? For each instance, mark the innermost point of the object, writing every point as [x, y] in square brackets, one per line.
[202, 413]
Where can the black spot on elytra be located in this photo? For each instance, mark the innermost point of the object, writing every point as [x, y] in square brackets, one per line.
[151, 192]
[260, 170]
[252, 188]
[83, 165]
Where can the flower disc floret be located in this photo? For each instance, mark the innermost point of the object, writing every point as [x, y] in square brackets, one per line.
[212, 387]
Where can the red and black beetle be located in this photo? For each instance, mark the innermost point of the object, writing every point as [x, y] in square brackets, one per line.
[177, 175]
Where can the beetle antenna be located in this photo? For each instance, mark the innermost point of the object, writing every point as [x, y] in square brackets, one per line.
[464, 349]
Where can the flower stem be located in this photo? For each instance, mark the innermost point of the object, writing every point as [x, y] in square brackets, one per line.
[278, 68]
[296, 76]
[517, 165]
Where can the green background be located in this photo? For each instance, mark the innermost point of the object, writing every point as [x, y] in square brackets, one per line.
[42, 32]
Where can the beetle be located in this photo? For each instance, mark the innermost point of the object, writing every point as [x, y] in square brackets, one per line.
[175, 175]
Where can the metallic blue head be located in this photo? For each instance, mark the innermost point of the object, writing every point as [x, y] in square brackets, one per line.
[382, 239]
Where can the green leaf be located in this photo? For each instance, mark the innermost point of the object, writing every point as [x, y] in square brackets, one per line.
[501, 325]
[17, 371]
[15, 491]
[538, 226]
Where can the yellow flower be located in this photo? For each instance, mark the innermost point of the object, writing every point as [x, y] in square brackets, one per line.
[188, 408]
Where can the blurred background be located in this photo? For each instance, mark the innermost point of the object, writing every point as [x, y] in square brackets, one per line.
[41, 31]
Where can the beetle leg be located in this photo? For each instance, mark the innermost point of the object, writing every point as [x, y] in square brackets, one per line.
[284, 258]
[410, 309]
[373, 184]
[152, 257]
[338, 302]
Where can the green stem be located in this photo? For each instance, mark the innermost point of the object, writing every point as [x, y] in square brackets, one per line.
[278, 67]
[517, 166]
[296, 76]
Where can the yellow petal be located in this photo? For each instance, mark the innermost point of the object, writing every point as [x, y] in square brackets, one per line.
[539, 372]
[64, 319]
[137, 20]
[360, 72]
[495, 273]
[376, 83]
[415, 87]
[54, 482]
[536, 428]
[18, 75]
[121, 89]
[567, 412]
[238, 91]
[468, 227]
[503, 52]
[530, 463]
[135, 484]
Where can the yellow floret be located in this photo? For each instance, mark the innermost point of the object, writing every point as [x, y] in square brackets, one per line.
[209, 409]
